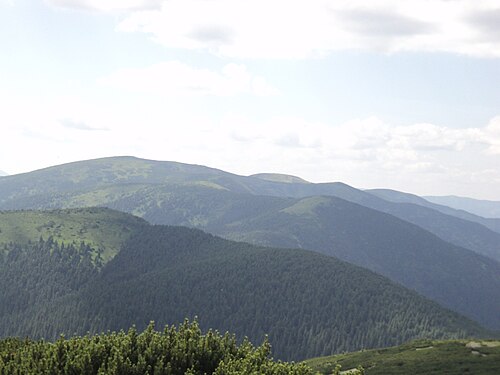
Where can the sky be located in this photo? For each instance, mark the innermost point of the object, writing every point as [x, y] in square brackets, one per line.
[399, 94]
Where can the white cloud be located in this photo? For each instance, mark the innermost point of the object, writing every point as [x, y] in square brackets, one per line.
[309, 28]
[420, 158]
[491, 136]
[108, 5]
[79, 125]
[174, 78]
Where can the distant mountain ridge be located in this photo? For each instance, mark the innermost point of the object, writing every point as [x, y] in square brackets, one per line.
[461, 213]
[69, 185]
[2, 173]
[485, 208]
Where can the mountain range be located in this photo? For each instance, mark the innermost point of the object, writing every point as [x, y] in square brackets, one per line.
[485, 208]
[91, 270]
[439, 252]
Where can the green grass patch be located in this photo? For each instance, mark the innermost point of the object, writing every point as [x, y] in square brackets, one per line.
[306, 206]
[100, 228]
[478, 357]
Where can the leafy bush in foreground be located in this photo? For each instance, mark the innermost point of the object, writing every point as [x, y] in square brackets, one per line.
[183, 350]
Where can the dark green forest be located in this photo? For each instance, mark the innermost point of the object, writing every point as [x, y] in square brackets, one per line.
[309, 304]
[455, 277]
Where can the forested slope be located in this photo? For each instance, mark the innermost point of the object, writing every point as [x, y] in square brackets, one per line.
[455, 277]
[488, 221]
[309, 304]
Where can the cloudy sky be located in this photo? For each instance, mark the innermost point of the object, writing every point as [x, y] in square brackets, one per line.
[402, 94]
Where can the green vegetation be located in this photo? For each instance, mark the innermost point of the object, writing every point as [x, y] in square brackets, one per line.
[102, 229]
[488, 217]
[309, 304]
[38, 274]
[423, 357]
[93, 269]
[172, 352]
[458, 227]
[306, 206]
[278, 177]
[455, 277]
[230, 206]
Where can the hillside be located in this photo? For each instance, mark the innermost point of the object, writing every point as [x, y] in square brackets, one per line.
[99, 228]
[85, 175]
[278, 177]
[455, 277]
[309, 304]
[400, 197]
[101, 181]
[424, 357]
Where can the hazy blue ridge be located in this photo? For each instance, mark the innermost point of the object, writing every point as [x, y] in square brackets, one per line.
[486, 217]
[488, 209]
